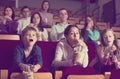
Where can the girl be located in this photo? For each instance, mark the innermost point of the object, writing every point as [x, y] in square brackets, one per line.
[89, 32]
[36, 22]
[9, 14]
[71, 52]
[108, 52]
[47, 17]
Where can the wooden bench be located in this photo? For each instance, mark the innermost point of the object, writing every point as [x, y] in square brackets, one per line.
[42, 75]
[117, 34]
[3, 74]
[116, 29]
[102, 25]
[86, 77]
[9, 37]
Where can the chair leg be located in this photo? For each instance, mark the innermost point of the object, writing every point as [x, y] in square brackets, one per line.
[107, 75]
[4, 74]
[58, 74]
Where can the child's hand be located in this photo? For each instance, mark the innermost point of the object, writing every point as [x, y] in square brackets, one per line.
[81, 42]
[76, 42]
[24, 67]
[90, 25]
[35, 68]
[107, 55]
[77, 57]
[117, 64]
[113, 48]
[45, 21]
[31, 24]
[8, 18]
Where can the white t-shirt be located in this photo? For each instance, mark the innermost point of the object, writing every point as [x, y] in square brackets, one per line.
[22, 23]
[64, 55]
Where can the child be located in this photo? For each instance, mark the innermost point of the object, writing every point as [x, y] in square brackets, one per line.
[71, 52]
[28, 56]
[47, 17]
[9, 14]
[57, 31]
[36, 22]
[25, 20]
[89, 32]
[108, 52]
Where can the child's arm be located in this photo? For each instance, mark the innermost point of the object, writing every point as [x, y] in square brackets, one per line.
[38, 58]
[24, 67]
[36, 67]
[58, 61]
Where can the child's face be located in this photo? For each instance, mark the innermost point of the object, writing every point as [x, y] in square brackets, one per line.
[108, 38]
[36, 19]
[63, 15]
[26, 12]
[45, 5]
[30, 38]
[73, 34]
[8, 11]
[90, 22]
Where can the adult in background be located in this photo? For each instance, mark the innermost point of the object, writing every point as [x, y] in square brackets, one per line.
[25, 20]
[57, 31]
[8, 14]
[47, 17]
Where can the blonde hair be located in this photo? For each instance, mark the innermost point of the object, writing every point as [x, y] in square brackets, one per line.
[28, 28]
[103, 32]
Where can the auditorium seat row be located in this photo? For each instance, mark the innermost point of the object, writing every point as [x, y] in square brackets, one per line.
[9, 42]
[48, 51]
[47, 75]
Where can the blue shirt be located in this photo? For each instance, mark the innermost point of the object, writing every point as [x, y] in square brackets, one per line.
[35, 56]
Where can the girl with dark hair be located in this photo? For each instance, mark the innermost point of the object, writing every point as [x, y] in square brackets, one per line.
[36, 22]
[9, 14]
[8, 21]
[71, 53]
[90, 32]
[108, 52]
[71, 50]
[47, 17]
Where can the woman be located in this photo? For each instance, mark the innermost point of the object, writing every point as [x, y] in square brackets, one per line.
[36, 22]
[47, 17]
[71, 52]
[9, 14]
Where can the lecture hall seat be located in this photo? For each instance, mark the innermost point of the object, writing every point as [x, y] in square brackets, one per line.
[3, 74]
[41, 75]
[86, 77]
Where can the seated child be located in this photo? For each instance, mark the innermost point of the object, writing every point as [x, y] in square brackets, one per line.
[27, 56]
